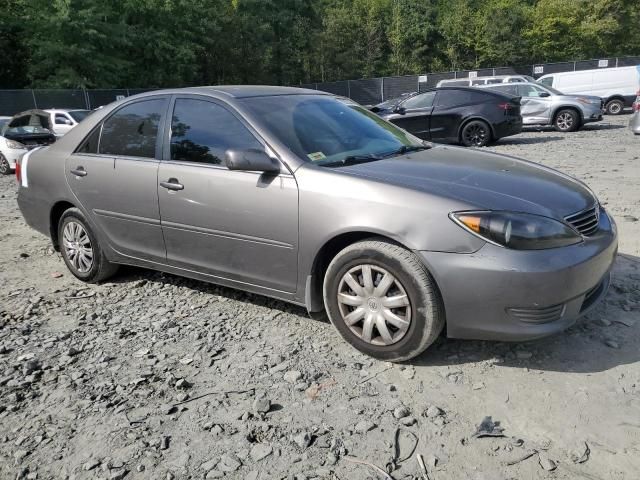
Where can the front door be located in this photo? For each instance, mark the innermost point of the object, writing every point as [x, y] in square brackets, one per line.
[534, 108]
[114, 175]
[413, 114]
[235, 225]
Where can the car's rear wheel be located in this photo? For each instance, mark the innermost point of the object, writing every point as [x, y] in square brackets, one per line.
[566, 120]
[476, 133]
[80, 248]
[382, 300]
[614, 107]
[5, 168]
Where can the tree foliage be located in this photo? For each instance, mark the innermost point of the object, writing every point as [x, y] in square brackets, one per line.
[160, 43]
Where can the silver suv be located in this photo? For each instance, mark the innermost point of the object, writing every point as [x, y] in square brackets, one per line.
[543, 105]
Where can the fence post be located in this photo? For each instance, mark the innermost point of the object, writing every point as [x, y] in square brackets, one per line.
[382, 90]
[33, 94]
[348, 88]
[616, 62]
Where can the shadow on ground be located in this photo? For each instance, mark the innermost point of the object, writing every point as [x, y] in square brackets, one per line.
[597, 342]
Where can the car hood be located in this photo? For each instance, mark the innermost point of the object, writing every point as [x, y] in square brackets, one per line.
[482, 180]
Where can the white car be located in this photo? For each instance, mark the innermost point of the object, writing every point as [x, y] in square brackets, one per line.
[63, 119]
[475, 81]
[10, 152]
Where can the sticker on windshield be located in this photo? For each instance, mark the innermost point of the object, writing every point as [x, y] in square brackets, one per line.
[315, 156]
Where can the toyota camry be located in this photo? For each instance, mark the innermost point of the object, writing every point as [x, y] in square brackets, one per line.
[309, 198]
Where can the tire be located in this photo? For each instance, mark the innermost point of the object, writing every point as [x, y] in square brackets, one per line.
[417, 312]
[76, 238]
[566, 120]
[614, 107]
[476, 133]
[5, 168]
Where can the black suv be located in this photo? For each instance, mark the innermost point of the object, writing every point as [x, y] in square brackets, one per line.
[469, 116]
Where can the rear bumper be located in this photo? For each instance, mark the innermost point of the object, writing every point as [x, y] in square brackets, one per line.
[502, 294]
[512, 126]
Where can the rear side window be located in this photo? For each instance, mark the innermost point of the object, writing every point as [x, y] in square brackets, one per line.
[133, 130]
[424, 100]
[202, 131]
[90, 144]
[506, 89]
[455, 98]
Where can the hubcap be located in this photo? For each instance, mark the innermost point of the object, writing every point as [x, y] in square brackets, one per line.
[565, 121]
[475, 134]
[374, 305]
[77, 246]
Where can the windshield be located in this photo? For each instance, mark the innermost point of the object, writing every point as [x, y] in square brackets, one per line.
[323, 130]
[79, 115]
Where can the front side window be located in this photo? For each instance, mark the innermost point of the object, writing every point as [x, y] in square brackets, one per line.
[133, 130]
[202, 131]
[323, 130]
[529, 91]
[62, 119]
[424, 100]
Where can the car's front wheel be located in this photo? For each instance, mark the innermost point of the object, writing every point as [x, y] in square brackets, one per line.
[80, 248]
[566, 120]
[382, 300]
[5, 168]
[476, 133]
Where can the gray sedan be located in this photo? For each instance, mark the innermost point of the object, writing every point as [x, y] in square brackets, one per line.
[542, 105]
[300, 196]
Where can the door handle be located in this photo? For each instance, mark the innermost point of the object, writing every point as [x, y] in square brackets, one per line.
[79, 171]
[172, 184]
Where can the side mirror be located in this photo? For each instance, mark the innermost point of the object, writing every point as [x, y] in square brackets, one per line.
[67, 122]
[251, 160]
[544, 94]
[399, 110]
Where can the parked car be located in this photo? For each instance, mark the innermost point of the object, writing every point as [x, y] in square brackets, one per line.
[31, 128]
[542, 105]
[469, 116]
[634, 123]
[616, 86]
[473, 81]
[63, 120]
[294, 194]
[10, 152]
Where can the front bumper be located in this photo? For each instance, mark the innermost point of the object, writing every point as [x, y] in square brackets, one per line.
[592, 113]
[502, 294]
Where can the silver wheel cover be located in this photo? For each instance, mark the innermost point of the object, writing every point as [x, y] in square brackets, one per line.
[77, 247]
[374, 305]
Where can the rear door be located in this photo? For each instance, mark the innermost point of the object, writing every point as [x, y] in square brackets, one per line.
[114, 176]
[414, 114]
[451, 107]
[235, 225]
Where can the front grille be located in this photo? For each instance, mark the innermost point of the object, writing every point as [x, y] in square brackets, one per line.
[538, 315]
[586, 221]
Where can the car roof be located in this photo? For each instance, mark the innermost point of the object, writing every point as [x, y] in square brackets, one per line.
[33, 111]
[238, 91]
[65, 110]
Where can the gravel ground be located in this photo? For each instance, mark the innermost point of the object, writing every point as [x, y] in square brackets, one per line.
[155, 376]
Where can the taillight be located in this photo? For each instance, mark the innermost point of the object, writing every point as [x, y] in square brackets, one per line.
[505, 106]
[636, 105]
[18, 172]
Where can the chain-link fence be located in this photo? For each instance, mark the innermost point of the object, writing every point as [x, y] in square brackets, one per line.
[15, 101]
[370, 91]
[367, 91]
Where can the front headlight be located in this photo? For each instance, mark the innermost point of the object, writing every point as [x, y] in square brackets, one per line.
[587, 101]
[520, 231]
[15, 145]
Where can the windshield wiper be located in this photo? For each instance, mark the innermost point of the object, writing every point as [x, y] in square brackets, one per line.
[351, 160]
[407, 149]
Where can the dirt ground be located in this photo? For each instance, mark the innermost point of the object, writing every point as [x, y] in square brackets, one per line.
[155, 376]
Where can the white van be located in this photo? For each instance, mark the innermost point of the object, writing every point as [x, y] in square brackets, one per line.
[474, 81]
[616, 86]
